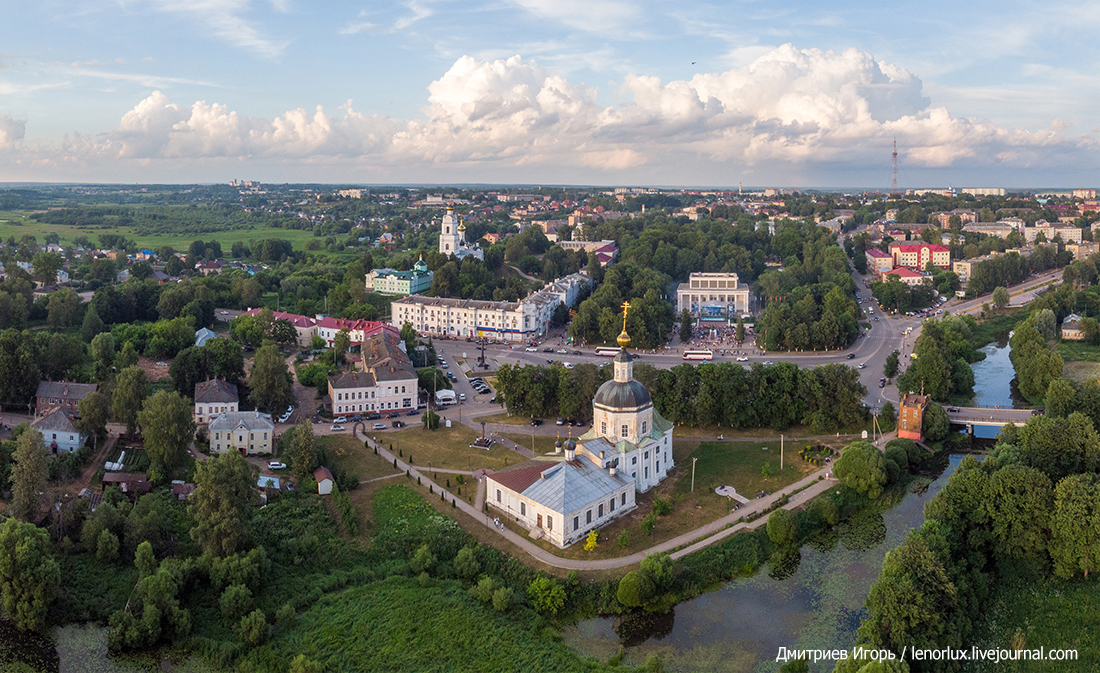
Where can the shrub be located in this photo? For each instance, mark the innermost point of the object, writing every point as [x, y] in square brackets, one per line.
[253, 628]
[661, 506]
[502, 599]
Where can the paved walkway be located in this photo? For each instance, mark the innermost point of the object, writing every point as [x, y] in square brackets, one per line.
[716, 530]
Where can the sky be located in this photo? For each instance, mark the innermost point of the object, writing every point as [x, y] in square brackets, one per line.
[583, 92]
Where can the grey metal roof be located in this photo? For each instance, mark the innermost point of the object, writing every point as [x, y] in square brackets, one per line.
[250, 420]
[58, 420]
[573, 485]
[352, 380]
[622, 395]
[215, 390]
[65, 389]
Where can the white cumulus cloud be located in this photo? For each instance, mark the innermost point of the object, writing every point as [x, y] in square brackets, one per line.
[12, 131]
[805, 107]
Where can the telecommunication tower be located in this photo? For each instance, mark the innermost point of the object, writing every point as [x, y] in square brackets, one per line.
[894, 172]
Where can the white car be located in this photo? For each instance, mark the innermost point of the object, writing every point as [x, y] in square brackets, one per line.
[742, 358]
[531, 349]
[276, 465]
[340, 419]
[462, 397]
[863, 365]
[337, 428]
[379, 426]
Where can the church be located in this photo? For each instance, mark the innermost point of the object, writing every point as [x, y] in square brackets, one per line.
[592, 480]
[452, 238]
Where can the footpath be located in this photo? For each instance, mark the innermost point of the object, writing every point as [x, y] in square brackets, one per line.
[808, 487]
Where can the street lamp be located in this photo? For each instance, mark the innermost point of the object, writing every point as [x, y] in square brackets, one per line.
[693, 474]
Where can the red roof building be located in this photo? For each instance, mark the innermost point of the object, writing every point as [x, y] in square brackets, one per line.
[918, 255]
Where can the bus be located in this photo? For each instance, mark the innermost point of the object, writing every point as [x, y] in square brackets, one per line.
[607, 352]
[698, 355]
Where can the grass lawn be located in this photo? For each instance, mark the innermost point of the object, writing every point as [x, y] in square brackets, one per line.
[448, 448]
[1082, 361]
[542, 444]
[505, 419]
[684, 432]
[997, 324]
[354, 457]
[737, 464]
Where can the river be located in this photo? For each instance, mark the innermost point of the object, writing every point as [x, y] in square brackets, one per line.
[740, 627]
[995, 384]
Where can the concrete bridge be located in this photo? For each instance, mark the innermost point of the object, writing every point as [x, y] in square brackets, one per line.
[971, 416]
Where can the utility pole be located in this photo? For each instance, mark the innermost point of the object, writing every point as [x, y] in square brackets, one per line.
[780, 453]
[693, 474]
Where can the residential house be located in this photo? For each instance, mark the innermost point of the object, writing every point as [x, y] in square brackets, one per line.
[131, 483]
[1071, 328]
[61, 394]
[249, 432]
[213, 398]
[59, 431]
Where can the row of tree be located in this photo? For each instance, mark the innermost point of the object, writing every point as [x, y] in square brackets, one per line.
[826, 398]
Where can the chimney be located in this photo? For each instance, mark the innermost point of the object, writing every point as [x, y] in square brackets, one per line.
[601, 456]
[611, 469]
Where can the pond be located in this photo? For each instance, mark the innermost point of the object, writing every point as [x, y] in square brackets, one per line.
[81, 649]
[740, 627]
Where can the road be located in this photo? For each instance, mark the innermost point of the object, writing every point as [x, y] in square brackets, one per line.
[871, 349]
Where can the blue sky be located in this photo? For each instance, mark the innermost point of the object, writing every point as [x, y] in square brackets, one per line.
[551, 91]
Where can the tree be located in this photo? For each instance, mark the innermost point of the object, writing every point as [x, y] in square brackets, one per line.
[739, 333]
[685, 326]
[225, 359]
[340, 344]
[635, 589]
[590, 541]
[28, 475]
[782, 529]
[300, 449]
[935, 425]
[269, 379]
[502, 599]
[223, 502]
[64, 306]
[466, 563]
[1061, 398]
[912, 602]
[127, 357]
[1075, 526]
[29, 576]
[546, 595]
[892, 364]
[91, 326]
[46, 265]
[888, 417]
[1000, 296]
[165, 421]
[430, 420]
[862, 468]
[131, 389]
[93, 412]
[103, 355]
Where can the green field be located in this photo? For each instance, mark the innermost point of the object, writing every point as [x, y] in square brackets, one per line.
[1049, 613]
[18, 225]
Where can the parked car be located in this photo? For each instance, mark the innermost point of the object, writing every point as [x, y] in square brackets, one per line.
[536, 422]
[374, 416]
[340, 419]
[484, 391]
[560, 422]
[276, 465]
[379, 426]
[355, 418]
[336, 428]
[393, 414]
[412, 412]
[399, 424]
[882, 383]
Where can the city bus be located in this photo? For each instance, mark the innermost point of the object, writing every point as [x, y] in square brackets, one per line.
[698, 355]
[607, 352]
